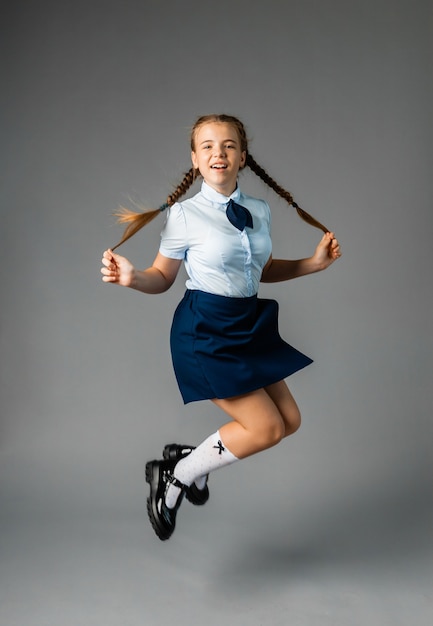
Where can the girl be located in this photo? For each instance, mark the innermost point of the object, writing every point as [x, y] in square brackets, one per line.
[225, 342]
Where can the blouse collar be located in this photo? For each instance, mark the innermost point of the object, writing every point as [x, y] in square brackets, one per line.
[214, 196]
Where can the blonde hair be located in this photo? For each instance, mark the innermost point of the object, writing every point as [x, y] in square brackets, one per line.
[136, 220]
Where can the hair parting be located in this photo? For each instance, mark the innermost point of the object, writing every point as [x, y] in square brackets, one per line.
[136, 220]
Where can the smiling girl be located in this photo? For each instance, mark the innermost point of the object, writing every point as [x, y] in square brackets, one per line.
[225, 342]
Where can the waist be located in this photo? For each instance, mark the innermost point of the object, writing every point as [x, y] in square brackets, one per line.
[214, 298]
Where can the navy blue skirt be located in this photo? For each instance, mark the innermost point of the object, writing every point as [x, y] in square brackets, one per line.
[223, 347]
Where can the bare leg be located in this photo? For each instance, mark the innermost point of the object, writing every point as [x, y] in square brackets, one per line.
[260, 419]
[285, 402]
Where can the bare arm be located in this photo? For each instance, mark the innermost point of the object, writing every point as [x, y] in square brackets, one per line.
[155, 279]
[277, 270]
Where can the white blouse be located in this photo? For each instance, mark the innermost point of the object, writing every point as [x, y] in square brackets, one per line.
[218, 257]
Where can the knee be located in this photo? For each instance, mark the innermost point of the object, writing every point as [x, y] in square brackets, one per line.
[274, 433]
[293, 424]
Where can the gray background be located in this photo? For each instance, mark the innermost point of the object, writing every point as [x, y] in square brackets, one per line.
[333, 526]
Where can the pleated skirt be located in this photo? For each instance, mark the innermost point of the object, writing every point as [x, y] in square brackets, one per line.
[223, 347]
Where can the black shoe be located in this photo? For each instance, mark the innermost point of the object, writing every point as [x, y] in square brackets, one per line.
[174, 452]
[162, 518]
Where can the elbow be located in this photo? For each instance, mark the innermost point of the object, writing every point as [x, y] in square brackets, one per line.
[166, 286]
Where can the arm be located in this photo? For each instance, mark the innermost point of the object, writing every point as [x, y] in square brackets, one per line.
[155, 279]
[277, 270]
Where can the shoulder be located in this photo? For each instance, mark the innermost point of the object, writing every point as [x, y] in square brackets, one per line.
[174, 218]
[179, 209]
[254, 204]
[180, 214]
[191, 203]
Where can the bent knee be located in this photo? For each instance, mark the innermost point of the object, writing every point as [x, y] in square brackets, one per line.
[274, 434]
[293, 424]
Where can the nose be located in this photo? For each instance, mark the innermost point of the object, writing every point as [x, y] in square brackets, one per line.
[220, 150]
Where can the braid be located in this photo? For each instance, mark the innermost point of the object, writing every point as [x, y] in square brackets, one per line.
[183, 186]
[136, 220]
[261, 173]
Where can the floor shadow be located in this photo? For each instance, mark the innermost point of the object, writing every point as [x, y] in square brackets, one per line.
[375, 531]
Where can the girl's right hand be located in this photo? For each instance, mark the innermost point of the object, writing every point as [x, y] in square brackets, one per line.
[117, 269]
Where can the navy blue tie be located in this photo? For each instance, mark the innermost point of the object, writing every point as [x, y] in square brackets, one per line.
[238, 215]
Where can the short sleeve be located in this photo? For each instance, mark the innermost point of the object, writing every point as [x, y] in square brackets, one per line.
[174, 242]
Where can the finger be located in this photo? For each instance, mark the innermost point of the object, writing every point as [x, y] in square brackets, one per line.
[109, 275]
[326, 240]
[108, 254]
[109, 263]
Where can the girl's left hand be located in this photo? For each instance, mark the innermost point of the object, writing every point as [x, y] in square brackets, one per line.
[327, 251]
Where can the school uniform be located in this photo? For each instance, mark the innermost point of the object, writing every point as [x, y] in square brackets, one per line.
[224, 339]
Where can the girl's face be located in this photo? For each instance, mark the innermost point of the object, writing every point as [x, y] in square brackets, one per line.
[218, 156]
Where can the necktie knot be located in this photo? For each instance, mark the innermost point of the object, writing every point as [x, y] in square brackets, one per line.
[238, 215]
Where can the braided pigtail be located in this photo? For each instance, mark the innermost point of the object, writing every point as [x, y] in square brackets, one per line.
[261, 173]
[136, 220]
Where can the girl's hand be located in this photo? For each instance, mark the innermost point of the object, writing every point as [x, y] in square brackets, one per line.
[327, 251]
[117, 269]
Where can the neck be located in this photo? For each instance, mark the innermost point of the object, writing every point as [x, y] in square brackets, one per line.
[225, 190]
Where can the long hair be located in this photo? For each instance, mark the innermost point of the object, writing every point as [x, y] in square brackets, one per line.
[136, 220]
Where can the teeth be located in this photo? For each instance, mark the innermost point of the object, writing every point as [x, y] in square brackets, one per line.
[219, 167]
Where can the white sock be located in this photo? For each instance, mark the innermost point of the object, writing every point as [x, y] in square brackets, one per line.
[207, 457]
[200, 482]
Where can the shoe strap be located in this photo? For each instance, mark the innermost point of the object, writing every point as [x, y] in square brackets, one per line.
[174, 481]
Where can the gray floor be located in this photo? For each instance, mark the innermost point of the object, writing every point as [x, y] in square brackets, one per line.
[356, 560]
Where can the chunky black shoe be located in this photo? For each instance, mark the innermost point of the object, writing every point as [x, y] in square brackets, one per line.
[162, 518]
[174, 452]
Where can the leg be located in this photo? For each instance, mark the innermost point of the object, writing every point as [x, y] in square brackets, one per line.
[285, 402]
[260, 419]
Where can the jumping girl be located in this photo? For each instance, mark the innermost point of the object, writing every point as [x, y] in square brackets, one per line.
[224, 340]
